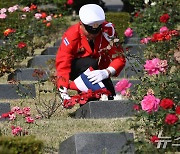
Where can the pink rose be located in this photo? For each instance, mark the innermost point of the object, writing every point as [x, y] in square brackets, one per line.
[38, 15]
[19, 111]
[3, 16]
[128, 32]
[26, 9]
[122, 86]
[48, 18]
[29, 120]
[23, 16]
[15, 109]
[13, 8]
[151, 66]
[16, 130]
[150, 103]
[38, 117]
[162, 65]
[26, 111]
[12, 116]
[3, 10]
[145, 40]
[163, 29]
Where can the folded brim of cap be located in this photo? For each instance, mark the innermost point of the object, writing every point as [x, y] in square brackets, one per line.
[92, 30]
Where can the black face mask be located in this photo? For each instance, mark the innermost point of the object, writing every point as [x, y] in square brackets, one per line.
[92, 30]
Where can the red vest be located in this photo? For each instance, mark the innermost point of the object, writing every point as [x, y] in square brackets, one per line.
[75, 45]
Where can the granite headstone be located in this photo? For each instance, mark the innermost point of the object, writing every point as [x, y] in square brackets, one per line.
[42, 61]
[106, 109]
[27, 74]
[17, 91]
[50, 51]
[4, 108]
[98, 143]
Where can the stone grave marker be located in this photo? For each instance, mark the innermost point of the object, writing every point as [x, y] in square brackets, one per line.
[136, 49]
[98, 143]
[134, 82]
[57, 43]
[48, 7]
[42, 61]
[106, 109]
[1, 42]
[26, 74]
[4, 108]
[133, 68]
[132, 40]
[50, 51]
[13, 91]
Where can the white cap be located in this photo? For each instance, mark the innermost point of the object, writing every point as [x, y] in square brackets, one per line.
[91, 14]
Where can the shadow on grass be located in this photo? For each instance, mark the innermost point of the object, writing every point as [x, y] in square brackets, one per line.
[50, 150]
[72, 115]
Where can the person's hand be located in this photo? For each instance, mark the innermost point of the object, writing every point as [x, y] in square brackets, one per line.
[97, 75]
[63, 93]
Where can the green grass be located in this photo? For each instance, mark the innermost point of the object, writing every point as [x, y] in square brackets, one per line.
[62, 125]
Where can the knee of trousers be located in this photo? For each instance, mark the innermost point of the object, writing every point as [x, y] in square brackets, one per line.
[93, 63]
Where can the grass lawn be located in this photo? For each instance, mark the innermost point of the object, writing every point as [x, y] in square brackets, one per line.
[62, 125]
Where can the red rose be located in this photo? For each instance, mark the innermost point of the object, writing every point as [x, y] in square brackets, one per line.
[168, 37]
[174, 32]
[178, 110]
[70, 2]
[136, 14]
[6, 115]
[164, 18]
[171, 119]
[136, 107]
[48, 24]
[9, 31]
[33, 7]
[21, 45]
[154, 138]
[43, 15]
[166, 103]
[157, 37]
[13, 127]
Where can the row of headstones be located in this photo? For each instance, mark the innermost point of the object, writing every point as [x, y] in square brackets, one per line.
[133, 66]
[88, 142]
[13, 91]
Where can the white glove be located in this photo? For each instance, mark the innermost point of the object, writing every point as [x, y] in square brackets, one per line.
[98, 75]
[63, 93]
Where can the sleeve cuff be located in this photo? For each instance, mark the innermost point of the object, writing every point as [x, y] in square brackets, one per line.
[63, 90]
[111, 70]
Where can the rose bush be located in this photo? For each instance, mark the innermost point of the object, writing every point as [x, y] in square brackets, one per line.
[149, 17]
[24, 29]
[157, 97]
[123, 86]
